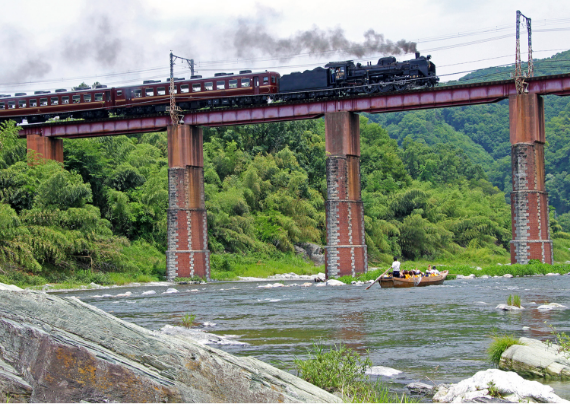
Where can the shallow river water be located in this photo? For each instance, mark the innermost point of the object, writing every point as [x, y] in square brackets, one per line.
[438, 332]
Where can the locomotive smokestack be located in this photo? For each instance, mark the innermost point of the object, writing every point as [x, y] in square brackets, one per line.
[417, 55]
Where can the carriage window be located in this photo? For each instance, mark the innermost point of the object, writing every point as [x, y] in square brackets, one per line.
[76, 99]
[273, 79]
[33, 103]
[149, 92]
[54, 101]
[185, 88]
[266, 80]
[43, 102]
[2, 106]
[11, 104]
[87, 97]
[161, 90]
[65, 100]
[233, 84]
[99, 97]
[196, 87]
[22, 103]
[119, 93]
[245, 82]
[209, 86]
[220, 85]
[138, 93]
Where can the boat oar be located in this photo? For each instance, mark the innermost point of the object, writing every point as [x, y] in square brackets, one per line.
[377, 279]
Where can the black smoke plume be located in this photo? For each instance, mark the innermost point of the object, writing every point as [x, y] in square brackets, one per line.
[250, 39]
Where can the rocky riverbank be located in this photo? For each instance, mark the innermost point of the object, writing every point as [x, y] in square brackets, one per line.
[56, 349]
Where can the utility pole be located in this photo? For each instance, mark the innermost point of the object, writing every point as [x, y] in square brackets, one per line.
[520, 84]
[173, 109]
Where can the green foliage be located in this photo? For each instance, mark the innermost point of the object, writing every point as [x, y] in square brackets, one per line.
[332, 369]
[562, 340]
[500, 345]
[514, 300]
[187, 320]
[340, 369]
[493, 390]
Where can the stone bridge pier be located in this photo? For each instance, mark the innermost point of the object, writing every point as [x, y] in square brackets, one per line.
[529, 200]
[45, 147]
[345, 252]
[187, 255]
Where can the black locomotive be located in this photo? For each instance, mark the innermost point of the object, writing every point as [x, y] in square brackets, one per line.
[343, 78]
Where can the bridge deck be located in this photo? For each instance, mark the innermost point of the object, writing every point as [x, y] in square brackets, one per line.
[438, 97]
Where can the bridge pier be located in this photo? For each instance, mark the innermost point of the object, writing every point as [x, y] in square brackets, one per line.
[529, 199]
[45, 147]
[187, 253]
[345, 252]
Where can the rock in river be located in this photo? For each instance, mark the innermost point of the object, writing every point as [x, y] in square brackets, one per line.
[536, 359]
[59, 349]
[510, 386]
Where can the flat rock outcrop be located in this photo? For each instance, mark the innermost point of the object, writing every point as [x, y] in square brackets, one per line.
[536, 359]
[59, 349]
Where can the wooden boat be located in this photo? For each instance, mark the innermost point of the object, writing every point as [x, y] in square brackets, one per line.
[389, 281]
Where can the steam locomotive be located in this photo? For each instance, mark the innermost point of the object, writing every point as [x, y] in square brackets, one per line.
[336, 79]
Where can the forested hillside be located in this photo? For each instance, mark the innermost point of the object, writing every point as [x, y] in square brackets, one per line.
[482, 132]
[433, 186]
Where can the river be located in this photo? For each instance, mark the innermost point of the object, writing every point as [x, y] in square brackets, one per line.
[437, 332]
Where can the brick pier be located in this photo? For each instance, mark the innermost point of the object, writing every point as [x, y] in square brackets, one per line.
[47, 148]
[187, 253]
[345, 252]
[529, 200]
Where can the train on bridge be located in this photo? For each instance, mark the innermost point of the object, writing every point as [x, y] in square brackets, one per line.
[336, 79]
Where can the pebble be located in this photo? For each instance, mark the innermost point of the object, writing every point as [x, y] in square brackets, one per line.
[149, 292]
[507, 276]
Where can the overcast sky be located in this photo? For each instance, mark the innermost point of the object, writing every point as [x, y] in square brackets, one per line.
[59, 43]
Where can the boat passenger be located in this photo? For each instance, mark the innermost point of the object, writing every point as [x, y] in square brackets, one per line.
[428, 271]
[435, 271]
[396, 268]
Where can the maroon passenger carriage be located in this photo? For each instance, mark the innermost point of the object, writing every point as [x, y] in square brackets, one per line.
[153, 96]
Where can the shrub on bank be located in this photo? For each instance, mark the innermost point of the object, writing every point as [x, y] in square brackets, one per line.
[339, 369]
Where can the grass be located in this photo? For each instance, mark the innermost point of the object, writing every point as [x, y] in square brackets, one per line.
[339, 369]
[514, 300]
[533, 268]
[232, 266]
[145, 261]
[499, 345]
[187, 320]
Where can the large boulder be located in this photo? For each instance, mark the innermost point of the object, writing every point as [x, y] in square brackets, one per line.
[59, 349]
[311, 251]
[494, 384]
[536, 359]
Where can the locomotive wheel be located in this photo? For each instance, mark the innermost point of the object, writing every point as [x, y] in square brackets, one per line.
[369, 89]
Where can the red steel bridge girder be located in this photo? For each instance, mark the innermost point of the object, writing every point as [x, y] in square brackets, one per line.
[439, 97]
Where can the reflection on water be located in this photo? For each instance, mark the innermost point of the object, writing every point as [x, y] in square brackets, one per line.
[440, 332]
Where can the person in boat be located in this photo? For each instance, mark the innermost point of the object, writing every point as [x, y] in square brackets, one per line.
[435, 271]
[396, 268]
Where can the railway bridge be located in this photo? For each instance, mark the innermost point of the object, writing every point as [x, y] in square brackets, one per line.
[346, 253]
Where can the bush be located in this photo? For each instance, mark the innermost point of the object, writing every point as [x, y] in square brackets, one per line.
[341, 369]
[499, 345]
[332, 370]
